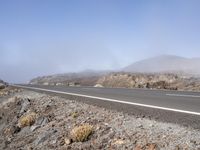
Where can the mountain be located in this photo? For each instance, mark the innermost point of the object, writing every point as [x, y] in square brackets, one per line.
[166, 63]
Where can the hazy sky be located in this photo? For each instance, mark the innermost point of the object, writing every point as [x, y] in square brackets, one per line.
[39, 37]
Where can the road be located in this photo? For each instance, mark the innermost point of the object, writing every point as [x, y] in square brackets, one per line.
[176, 101]
[162, 105]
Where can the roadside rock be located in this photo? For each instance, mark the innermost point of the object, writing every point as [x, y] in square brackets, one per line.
[41, 121]
[34, 127]
[43, 137]
[25, 105]
[98, 85]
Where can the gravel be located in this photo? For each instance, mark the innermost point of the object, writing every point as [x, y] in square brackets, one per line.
[56, 117]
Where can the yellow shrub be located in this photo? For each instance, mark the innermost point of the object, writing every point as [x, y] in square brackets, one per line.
[27, 120]
[81, 133]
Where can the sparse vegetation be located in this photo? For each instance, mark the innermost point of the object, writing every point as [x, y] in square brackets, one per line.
[81, 133]
[27, 120]
[74, 114]
[8, 90]
[47, 123]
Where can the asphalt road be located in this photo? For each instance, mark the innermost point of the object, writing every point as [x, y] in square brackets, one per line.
[172, 106]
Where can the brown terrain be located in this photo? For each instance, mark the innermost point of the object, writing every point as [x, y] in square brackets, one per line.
[168, 81]
[151, 81]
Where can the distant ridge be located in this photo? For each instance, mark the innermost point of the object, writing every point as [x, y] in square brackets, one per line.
[166, 63]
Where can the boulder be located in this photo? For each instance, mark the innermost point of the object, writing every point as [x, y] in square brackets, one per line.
[42, 121]
[25, 105]
[3, 84]
[34, 127]
[98, 85]
[42, 137]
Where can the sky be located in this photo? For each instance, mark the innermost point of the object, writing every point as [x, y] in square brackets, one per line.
[41, 37]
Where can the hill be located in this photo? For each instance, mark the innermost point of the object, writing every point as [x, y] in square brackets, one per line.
[166, 64]
[86, 78]
[162, 72]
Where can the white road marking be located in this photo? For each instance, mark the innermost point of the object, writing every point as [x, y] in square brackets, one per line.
[112, 100]
[93, 89]
[183, 95]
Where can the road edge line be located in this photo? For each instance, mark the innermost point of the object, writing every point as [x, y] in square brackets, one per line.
[111, 100]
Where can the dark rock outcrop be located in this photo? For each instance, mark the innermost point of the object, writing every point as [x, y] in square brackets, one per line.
[3, 84]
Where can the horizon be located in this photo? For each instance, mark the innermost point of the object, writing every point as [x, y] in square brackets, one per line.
[46, 37]
[116, 70]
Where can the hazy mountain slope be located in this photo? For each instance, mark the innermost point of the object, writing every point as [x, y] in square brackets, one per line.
[86, 78]
[166, 63]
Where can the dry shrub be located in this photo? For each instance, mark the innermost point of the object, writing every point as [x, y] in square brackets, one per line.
[74, 114]
[151, 146]
[81, 133]
[27, 120]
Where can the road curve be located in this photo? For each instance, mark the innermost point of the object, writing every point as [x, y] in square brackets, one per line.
[172, 106]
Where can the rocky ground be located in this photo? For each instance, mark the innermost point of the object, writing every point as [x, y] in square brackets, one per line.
[30, 120]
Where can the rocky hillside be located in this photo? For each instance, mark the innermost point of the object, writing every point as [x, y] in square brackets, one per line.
[166, 64]
[128, 80]
[150, 81]
[30, 120]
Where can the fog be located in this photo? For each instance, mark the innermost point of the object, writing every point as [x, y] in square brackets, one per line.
[22, 65]
[41, 38]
